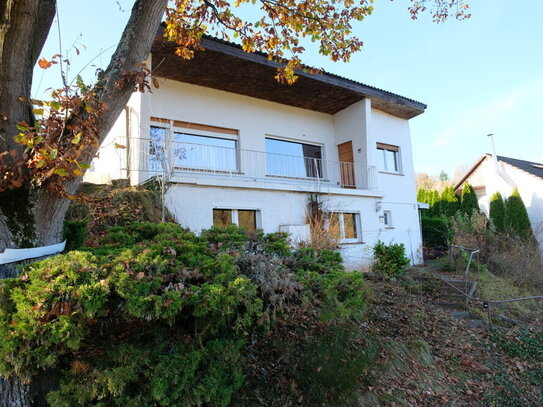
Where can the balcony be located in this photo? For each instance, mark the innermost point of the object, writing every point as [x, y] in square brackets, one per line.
[182, 158]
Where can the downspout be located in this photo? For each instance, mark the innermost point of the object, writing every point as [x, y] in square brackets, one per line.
[127, 135]
[498, 169]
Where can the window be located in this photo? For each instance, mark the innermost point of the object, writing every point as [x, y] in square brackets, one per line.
[207, 152]
[344, 226]
[244, 218]
[387, 219]
[290, 159]
[204, 152]
[222, 218]
[157, 152]
[388, 158]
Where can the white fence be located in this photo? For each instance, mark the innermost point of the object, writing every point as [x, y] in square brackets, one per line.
[189, 158]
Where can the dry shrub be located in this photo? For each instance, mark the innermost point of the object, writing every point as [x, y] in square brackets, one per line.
[320, 228]
[516, 258]
[505, 254]
[278, 287]
[470, 231]
[104, 206]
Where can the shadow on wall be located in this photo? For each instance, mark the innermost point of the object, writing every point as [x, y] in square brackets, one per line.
[534, 207]
[535, 212]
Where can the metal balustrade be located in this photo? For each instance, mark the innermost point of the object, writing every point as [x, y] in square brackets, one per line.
[180, 158]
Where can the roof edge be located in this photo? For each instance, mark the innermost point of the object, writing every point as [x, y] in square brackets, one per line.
[235, 50]
[470, 171]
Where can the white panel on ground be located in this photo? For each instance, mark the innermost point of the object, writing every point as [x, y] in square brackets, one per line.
[14, 255]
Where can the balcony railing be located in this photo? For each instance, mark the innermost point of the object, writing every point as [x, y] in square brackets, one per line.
[179, 158]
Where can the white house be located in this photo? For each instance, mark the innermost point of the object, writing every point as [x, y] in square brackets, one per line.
[247, 150]
[503, 175]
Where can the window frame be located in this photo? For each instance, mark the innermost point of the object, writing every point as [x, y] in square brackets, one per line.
[211, 136]
[150, 156]
[173, 126]
[357, 224]
[387, 219]
[382, 149]
[235, 214]
[323, 169]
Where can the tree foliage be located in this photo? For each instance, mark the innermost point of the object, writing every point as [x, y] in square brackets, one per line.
[516, 216]
[497, 211]
[443, 176]
[469, 202]
[449, 204]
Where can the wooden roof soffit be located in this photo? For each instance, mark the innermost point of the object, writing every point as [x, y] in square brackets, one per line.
[225, 66]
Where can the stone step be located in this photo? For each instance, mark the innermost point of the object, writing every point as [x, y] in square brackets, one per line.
[460, 283]
[447, 289]
[452, 297]
[451, 305]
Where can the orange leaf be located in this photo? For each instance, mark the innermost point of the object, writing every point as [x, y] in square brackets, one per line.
[44, 63]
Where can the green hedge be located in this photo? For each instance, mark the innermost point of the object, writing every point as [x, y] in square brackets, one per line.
[158, 316]
[435, 232]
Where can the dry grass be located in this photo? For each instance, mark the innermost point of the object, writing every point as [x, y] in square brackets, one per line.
[507, 255]
[323, 233]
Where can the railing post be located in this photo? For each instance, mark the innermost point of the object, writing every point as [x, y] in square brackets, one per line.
[489, 313]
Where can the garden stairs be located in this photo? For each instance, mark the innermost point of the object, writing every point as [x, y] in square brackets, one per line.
[452, 293]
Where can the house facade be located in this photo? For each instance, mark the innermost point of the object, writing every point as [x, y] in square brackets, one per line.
[503, 175]
[240, 148]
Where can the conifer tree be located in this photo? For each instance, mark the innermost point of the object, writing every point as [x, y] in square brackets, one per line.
[449, 202]
[435, 203]
[469, 201]
[421, 195]
[497, 211]
[516, 216]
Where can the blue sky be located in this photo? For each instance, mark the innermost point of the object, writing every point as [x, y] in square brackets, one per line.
[479, 76]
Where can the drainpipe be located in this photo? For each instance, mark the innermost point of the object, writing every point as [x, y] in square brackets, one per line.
[127, 134]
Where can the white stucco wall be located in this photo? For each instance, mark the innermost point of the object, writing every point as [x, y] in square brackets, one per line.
[399, 189]
[529, 186]
[111, 162]
[193, 197]
[193, 206]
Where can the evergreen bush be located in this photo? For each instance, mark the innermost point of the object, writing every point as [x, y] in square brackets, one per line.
[469, 202]
[449, 204]
[436, 232]
[331, 360]
[75, 233]
[497, 211]
[421, 195]
[516, 216]
[389, 260]
[158, 316]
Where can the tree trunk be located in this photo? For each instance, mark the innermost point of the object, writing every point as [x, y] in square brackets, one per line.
[31, 216]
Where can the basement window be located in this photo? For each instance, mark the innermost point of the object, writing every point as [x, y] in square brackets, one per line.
[247, 219]
[387, 218]
[344, 226]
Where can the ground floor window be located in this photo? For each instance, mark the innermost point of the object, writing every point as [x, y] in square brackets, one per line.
[344, 226]
[387, 219]
[247, 219]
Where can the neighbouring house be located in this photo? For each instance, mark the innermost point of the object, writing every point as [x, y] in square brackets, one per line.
[240, 148]
[503, 175]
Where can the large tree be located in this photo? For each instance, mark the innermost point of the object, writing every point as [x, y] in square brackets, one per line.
[42, 161]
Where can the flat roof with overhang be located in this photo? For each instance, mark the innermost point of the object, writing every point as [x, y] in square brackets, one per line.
[225, 66]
